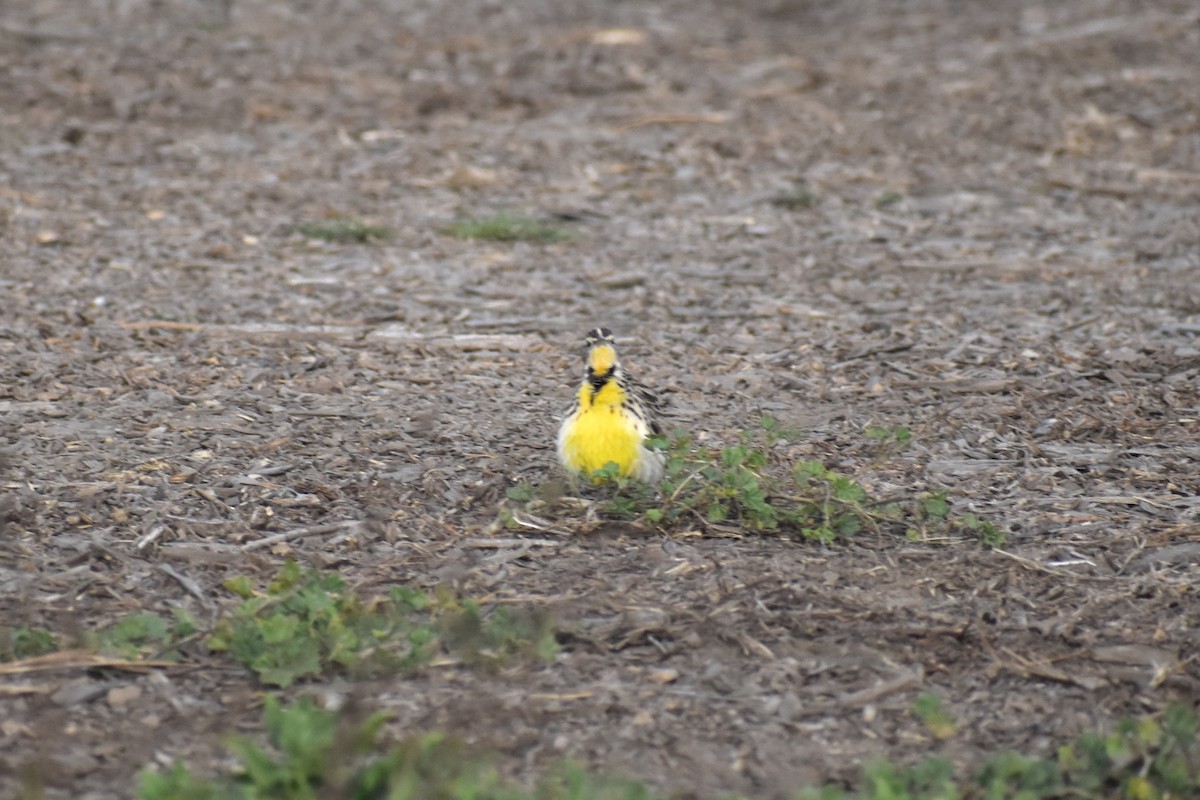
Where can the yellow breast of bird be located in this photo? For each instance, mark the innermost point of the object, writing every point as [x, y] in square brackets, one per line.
[602, 431]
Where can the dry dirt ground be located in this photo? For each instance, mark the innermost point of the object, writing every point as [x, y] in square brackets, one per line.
[1001, 255]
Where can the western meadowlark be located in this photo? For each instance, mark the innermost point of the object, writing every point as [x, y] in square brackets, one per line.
[610, 419]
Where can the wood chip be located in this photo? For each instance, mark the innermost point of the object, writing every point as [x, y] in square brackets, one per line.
[664, 675]
[123, 695]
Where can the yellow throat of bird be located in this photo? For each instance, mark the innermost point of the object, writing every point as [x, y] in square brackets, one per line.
[601, 361]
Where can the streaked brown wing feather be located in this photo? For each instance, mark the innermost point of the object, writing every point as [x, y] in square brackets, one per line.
[650, 400]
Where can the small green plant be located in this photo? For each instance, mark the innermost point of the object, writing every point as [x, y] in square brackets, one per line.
[1155, 758]
[308, 623]
[744, 488]
[772, 432]
[986, 532]
[609, 473]
[178, 783]
[933, 714]
[935, 506]
[893, 439]
[888, 198]
[487, 640]
[506, 227]
[522, 493]
[26, 642]
[312, 753]
[796, 199]
[146, 633]
[933, 519]
[734, 486]
[131, 635]
[932, 779]
[138, 635]
[1011, 775]
[345, 231]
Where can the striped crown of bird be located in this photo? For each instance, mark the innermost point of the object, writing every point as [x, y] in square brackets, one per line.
[610, 419]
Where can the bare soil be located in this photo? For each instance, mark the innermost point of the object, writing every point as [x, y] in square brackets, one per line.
[993, 241]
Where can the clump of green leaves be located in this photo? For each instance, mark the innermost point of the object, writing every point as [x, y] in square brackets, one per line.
[888, 198]
[522, 493]
[1155, 758]
[507, 227]
[491, 639]
[344, 231]
[313, 754]
[146, 633]
[26, 642]
[1012, 775]
[932, 519]
[796, 199]
[744, 487]
[308, 623]
[932, 779]
[136, 636]
[893, 439]
[933, 714]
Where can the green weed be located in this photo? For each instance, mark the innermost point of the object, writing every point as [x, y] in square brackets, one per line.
[988, 534]
[932, 520]
[933, 714]
[345, 231]
[135, 636]
[493, 639]
[307, 623]
[522, 493]
[888, 198]
[744, 488]
[26, 642]
[796, 199]
[146, 633]
[1011, 775]
[1156, 758]
[891, 439]
[312, 753]
[505, 227]
[932, 779]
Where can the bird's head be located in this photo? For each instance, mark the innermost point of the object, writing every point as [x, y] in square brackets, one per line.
[601, 355]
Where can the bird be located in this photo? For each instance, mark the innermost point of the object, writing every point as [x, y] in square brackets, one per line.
[610, 420]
